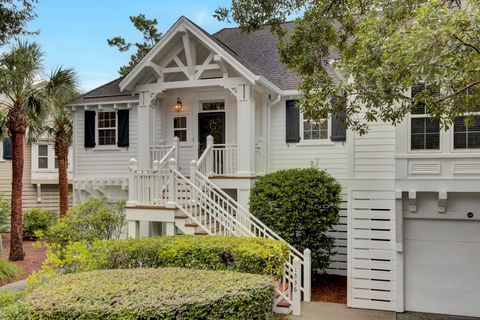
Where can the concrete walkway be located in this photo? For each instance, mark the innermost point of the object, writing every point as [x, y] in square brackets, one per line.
[19, 285]
[338, 311]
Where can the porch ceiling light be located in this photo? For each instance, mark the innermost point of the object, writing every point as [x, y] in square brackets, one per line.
[178, 105]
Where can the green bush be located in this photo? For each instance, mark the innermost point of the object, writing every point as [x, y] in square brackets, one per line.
[171, 293]
[8, 270]
[93, 220]
[301, 205]
[4, 214]
[242, 254]
[35, 220]
[13, 305]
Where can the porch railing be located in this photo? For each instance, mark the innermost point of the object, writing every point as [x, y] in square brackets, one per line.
[148, 187]
[163, 152]
[218, 159]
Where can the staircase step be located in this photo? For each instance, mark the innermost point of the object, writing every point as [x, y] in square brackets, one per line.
[283, 304]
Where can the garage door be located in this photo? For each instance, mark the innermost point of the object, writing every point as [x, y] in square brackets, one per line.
[442, 266]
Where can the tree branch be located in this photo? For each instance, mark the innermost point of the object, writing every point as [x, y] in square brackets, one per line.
[473, 84]
[465, 43]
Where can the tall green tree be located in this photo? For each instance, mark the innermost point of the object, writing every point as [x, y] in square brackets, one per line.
[381, 48]
[27, 107]
[61, 89]
[148, 28]
[14, 14]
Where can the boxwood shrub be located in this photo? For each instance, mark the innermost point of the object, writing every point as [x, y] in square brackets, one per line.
[301, 205]
[242, 254]
[37, 220]
[170, 293]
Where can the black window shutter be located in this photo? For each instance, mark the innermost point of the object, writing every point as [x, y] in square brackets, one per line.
[89, 129]
[293, 122]
[7, 148]
[123, 128]
[339, 129]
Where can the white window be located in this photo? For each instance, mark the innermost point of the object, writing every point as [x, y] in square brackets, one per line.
[213, 106]
[42, 156]
[107, 128]
[466, 135]
[424, 130]
[313, 130]
[180, 128]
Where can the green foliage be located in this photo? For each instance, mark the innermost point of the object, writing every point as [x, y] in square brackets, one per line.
[301, 205]
[8, 270]
[245, 254]
[92, 220]
[4, 214]
[35, 220]
[13, 305]
[151, 36]
[386, 47]
[170, 293]
[13, 17]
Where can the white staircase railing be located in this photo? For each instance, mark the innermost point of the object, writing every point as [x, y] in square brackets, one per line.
[216, 213]
[162, 153]
[218, 159]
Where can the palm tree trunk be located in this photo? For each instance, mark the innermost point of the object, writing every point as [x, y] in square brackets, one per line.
[16, 231]
[63, 179]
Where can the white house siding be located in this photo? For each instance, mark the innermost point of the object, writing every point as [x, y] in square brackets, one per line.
[331, 157]
[49, 197]
[102, 163]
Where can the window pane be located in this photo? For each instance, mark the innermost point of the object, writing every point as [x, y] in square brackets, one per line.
[42, 150]
[419, 109]
[43, 162]
[418, 142]
[315, 135]
[307, 125]
[307, 135]
[181, 134]
[459, 125]
[418, 125]
[432, 125]
[179, 122]
[475, 124]
[106, 137]
[107, 119]
[213, 106]
[460, 140]
[474, 140]
[432, 141]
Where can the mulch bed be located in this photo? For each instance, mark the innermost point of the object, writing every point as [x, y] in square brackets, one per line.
[33, 257]
[329, 288]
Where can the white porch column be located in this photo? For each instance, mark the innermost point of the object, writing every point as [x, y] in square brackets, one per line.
[245, 130]
[144, 130]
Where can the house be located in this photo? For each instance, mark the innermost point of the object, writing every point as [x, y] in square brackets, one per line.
[40, 173]
[185, 135]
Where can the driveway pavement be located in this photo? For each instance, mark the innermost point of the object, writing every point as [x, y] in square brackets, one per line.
[338, 311]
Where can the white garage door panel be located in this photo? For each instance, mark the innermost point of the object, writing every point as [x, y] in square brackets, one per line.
[442, 266]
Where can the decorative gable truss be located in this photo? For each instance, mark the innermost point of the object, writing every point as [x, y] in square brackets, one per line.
[187, 57]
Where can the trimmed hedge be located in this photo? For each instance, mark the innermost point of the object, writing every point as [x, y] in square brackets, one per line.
[170, 293]
[242, 254]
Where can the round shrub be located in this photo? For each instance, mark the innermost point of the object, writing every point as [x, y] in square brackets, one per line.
[37, 220]
[301, 205]
[171, 293]
[92, 220]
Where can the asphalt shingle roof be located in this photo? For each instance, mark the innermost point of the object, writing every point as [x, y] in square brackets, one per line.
[257, 51]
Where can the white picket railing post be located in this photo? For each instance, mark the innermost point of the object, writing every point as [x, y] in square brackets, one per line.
[307, 275]
[210, 159]
[297, 287]
[177, 149]
[156, 165]
[193, 171]
[172, 184]
[132, 188]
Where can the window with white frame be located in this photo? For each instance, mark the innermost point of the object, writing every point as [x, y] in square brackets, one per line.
[180, 128]
[424, 130]
[466, 132]
[42, 156]
[107, 128]
[213, 106]
[315, 130]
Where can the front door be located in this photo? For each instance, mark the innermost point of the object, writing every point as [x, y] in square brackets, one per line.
[210, 123]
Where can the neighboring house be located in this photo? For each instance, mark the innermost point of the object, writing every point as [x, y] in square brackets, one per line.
[40, 174]
[409, 236]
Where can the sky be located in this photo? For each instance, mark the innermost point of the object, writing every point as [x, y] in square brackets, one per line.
[73, 34]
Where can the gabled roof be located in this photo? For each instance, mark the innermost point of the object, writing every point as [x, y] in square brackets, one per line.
[109, 92]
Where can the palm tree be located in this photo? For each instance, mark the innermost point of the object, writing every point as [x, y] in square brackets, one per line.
[27, 108]
[61, 90]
